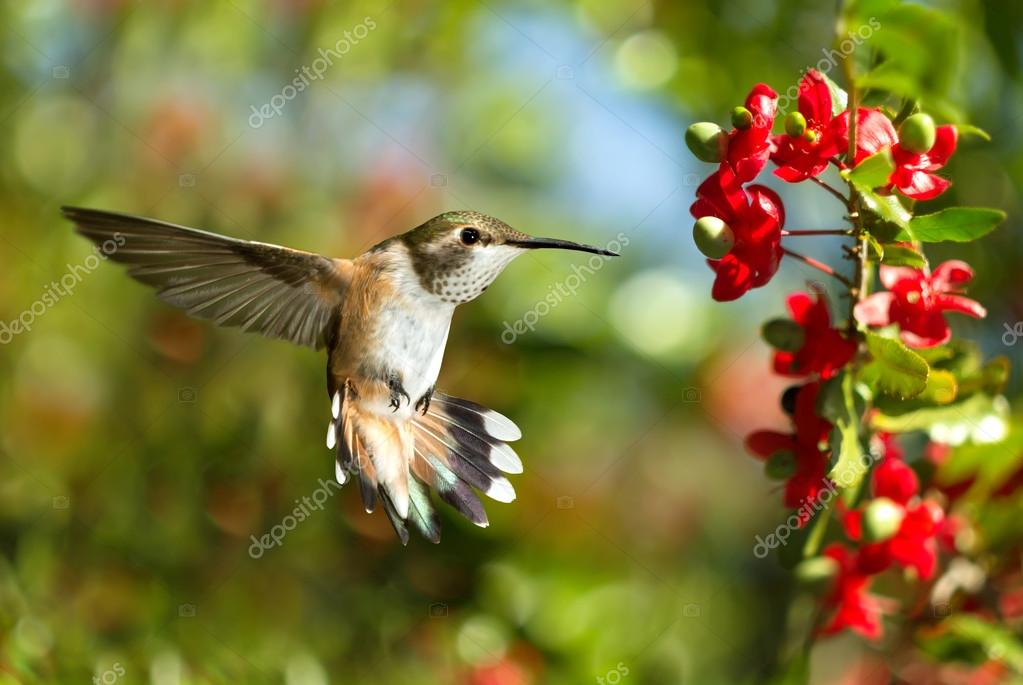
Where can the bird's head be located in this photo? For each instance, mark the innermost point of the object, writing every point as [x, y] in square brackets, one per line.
[457, 255]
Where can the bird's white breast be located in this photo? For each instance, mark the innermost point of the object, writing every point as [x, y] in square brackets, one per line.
[411, 333]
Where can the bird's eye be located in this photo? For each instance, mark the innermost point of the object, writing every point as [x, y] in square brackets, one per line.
[469, 236]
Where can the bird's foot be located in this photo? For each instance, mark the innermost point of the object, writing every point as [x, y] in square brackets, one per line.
[397, 392]
[423, 405]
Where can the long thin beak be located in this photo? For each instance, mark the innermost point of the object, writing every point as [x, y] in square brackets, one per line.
[555, 243]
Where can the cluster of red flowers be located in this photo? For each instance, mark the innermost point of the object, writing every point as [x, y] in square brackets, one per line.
[896, 527]
[815, 138]
[740, 228]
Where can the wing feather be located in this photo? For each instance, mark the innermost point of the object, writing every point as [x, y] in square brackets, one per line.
[273, 290]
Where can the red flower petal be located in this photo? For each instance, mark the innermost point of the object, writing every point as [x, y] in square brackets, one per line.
[874, 132]
[799, 305]
[720, 195]
[963, 305]
[919, 185]
[734, 279]
[950, 275]
[926, 331]
[944, 145]
[874, 309]
[890, 275]
[815, 98]
[765, 443]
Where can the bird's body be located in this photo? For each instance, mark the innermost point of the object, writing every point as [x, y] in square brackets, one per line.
[384, 319]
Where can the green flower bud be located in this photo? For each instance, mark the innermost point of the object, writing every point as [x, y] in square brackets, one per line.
[795, 124]
[707, 141]
[917, 133]
[817, 572]
[780, 465]
[783, 334]
[742, 118]
[882, 519]
[713, 237]
[810, 136]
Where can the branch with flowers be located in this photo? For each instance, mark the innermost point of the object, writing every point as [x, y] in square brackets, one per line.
[882, 393]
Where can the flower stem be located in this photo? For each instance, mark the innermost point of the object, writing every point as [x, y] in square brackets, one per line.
[821, 266]
[831, 189]
[861, 276]
[827, 231]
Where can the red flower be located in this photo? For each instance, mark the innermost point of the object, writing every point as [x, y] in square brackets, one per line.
[914, 173]
[799, 157]
[810, 476]
[893, 479]
[750, 148]
[824, 351]
[827, 136]
[756, 217]
[915, 543]
[916, 301]
[849, 601]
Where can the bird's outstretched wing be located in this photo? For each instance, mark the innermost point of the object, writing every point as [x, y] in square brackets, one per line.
[457, 446]
[276, 291]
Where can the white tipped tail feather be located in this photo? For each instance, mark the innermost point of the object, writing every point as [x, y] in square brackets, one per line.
[458, 446]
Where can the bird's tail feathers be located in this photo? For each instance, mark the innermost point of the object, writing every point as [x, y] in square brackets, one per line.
[457, 446]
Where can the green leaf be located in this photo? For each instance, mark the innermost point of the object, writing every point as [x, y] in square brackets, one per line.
[902, 255]
[795, 672]
[872, 172]
[970, 130]
[968, 637]
[876, 249]
[895, 369]
[990, 464]
[956, 224]
[979, 418]
[918, 47]
[844, 405]
[886, 207]
[942, 388]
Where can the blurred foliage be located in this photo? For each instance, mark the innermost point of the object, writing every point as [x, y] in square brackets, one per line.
[140, 450]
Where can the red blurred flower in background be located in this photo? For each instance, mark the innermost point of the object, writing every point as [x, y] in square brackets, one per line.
[825, 350]
[915, 542]
[914, 173]
[756, 217]
[850, 603]
[917, 300]
[749, 148]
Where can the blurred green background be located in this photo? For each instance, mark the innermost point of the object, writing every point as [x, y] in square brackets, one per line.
[140, 450]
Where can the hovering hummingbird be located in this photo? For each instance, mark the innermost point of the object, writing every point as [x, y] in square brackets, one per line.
[383, 318]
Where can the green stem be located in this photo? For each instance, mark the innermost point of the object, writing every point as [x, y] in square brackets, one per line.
[862, 264]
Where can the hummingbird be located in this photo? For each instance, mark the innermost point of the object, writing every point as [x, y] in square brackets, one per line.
[383, 319]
